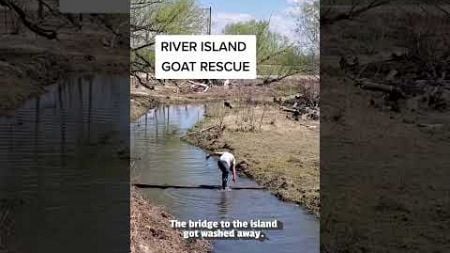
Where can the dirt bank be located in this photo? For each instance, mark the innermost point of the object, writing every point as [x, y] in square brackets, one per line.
[140, 104]
[273, 149]
[385, 167]
[151, 231]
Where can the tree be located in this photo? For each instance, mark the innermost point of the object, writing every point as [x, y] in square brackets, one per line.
[152, 17]
[27, 19]
[276, 56]
[43, 18]
[308, 30]
[308, 24]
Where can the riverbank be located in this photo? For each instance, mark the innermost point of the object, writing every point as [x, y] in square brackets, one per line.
[140, 104]
[286, 159]
[180, 92]
[149, 224]
[293, 175]
[30, 63]
[276, 151]
[151, 231]
[380, 183]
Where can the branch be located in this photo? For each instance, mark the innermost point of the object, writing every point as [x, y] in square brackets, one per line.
[354, 12]
[143, 46]
[143, 4]
[274, 54]
[47, 33]
[136, 75]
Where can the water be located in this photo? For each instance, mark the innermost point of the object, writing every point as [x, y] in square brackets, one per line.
[64, 169]
[160, 157]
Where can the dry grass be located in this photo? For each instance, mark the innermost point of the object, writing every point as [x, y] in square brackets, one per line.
[281, 154]
[381, 189]
[379, 176]
[179, 91]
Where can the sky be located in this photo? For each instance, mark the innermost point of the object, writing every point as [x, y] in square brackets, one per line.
[278, 11]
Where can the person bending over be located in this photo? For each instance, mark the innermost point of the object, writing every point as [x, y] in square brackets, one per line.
[226, 163]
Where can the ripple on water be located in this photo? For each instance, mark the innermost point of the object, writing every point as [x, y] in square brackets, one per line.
[58, 156]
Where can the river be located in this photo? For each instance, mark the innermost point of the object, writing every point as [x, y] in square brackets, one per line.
[64, 169]
[160, 157]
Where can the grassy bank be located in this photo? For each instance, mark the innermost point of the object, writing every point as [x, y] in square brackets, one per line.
[276, 151]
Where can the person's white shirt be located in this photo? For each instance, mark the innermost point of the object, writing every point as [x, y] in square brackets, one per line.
[228, 158]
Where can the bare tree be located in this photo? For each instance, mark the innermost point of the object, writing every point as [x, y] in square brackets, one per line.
[308, 29]
[151, 17]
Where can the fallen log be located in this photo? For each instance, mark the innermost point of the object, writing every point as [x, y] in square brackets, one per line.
[287, 109]
[202, 130]
[201, 186]
[308, 126]
[430, 126]
[372, 86]
[367, 85]
[199, 84]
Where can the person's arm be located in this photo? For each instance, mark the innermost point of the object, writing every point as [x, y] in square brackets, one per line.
[233, 168]
[214, 154]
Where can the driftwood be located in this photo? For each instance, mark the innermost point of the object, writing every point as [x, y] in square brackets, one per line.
[286, 109]
[199, 84]
[372, 86]
[308, 126]
[202, 130]
[430, 126]
[301, 105]
[369, 85]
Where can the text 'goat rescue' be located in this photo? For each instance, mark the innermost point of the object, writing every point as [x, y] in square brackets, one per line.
[205, 57]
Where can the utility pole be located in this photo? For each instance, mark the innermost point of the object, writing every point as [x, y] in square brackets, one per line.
[209, 20]
[209, 33]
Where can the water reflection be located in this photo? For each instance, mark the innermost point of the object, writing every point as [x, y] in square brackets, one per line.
[223, 205]
[59, 159]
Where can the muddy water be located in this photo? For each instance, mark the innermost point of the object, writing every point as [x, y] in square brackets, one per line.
[64, 169]
[160, 157]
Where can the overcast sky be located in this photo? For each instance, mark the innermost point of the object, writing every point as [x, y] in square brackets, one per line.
[229, 11]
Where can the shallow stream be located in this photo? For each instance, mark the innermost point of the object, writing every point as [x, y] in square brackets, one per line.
[160, 157]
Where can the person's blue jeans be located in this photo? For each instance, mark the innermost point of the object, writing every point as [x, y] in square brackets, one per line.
[223, 166]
